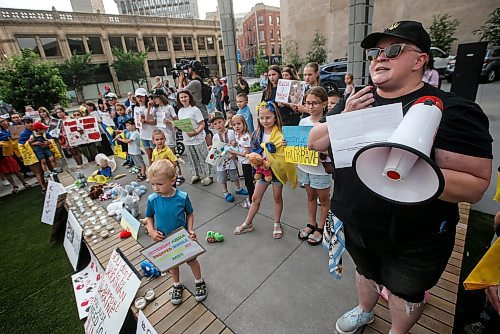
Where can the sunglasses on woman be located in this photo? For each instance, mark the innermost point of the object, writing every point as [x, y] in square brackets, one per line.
[391, 52]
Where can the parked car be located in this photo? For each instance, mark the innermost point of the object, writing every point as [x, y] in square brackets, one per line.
[491, 66]
[332, 75]
[441, 59]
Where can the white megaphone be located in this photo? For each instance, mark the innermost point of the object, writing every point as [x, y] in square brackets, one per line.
[400, 170]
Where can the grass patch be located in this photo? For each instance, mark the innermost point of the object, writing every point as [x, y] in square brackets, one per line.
[36, 294]
[479, 235]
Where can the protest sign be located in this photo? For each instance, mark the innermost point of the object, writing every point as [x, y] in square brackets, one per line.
[33, 114]
[160, 119]
[296, 150]
[106, 118]
[113, 297]
[85, 285]
[137, 118]
[143, 325]
[54, 198]
[129, 223]
[73, 239]
[83, 130]
[184, 124]
[54, 128]
[218, 154]
[174, 250]
[290, 91]
[15, 131]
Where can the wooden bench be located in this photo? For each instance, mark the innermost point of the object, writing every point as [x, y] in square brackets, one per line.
[439, 312]
[189, 317]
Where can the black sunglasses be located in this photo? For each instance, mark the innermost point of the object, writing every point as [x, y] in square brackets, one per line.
[391, 52]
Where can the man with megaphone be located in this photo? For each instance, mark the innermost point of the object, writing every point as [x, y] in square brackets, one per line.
[401, 240]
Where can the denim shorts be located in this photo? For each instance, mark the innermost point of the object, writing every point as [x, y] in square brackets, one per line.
[274, 181]
[147, 143]
[43, 153]
[408, 268]
[314, 181]
[223, 176]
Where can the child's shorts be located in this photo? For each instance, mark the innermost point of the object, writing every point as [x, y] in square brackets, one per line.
[137, 159]
[223, 176]
[146, 143]
[274, 181]
[43, 153]
[314, 181]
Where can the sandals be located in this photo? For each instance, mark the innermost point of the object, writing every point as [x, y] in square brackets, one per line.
[303, 235]
[313, 239]
[243, 228]
[277, 231]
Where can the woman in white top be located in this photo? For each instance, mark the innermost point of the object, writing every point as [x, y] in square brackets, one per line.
[144, 121]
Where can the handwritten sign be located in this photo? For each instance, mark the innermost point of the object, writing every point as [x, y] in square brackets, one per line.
[83, 130]
[296, 150]
[174, 250]
[129, 223]
[113, 297]
[184, 124]
[54, 127]
[160, 119]
[15, 131]
[73, 239]
[53, 200]
[219, 154]
[137, 118]
[290, 91]
[85, 285]
[143, 325]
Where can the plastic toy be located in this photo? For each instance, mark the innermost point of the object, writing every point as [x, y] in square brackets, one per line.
[214, 237]
[149, 269]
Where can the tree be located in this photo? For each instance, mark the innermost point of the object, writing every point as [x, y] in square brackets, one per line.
[490, 31]
[317, 52]
[261, 64]
[76, 72]
[129, 65]
[27, 80]
[292, 54]
[442, 29]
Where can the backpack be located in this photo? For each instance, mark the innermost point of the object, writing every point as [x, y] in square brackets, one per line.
[206, 92]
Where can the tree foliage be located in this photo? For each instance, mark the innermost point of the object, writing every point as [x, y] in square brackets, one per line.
[76, 72]
[129, 65]
[261, 64]
[442, 31]
[27, 80]
[292, 54]
[317, 52]
[490, 31]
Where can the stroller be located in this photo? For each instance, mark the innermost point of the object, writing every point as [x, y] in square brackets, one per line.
[179, 145]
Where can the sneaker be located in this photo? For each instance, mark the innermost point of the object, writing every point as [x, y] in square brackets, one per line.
[195, 179]
[177, 294]
[242, 191]
[47, 174]
[475, 328]
[5, 183]
[206, 181]
[229, 197]
[180, 180]
[201, 291]
[352, 320]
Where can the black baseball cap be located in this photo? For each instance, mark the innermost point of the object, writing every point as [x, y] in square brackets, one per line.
[158, 92]
[411, 31]
[196, 65]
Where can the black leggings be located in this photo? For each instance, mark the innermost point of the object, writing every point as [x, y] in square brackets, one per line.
[247, 173]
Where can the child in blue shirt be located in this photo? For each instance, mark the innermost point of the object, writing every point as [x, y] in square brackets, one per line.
[169, 208]
[244, 110]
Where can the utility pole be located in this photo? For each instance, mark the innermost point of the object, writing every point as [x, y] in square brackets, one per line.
[360, 25]
[226, 15]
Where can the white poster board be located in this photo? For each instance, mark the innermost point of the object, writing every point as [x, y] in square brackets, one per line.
[143, 325]
[113, 297]
[50, 205]
[85, 285]
[172, 251]
[73, 239]
[83, 130]
[290, 91]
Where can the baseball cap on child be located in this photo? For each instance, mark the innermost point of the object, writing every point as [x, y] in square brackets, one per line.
[39, 126]
[215, 115]
[141, 92]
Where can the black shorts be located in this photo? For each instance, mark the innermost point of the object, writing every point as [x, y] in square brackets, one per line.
[407, 269]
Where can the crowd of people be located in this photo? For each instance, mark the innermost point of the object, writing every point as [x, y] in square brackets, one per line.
[402, 249]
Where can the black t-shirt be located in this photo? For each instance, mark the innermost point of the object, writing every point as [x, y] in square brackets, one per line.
[463, 129]
[288, 116]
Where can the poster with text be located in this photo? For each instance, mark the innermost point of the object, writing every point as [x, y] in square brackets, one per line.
[290, 91]
[129, 223]
[184, 124]
[15, 131]
[113, 297]
[137, 118]
[54, 128]
[174, 250]
[85, 285]
[218, 154]
[160, 119]
[296, 150]
[73, 239]
[55, 194]
[143, 325]
[83, 130]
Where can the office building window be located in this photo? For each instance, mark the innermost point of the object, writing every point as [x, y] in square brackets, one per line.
[277, 20]
[115, 42]
[270, 20]
[131, 44]
[279, 34]
[261, 35]
[95, 45]
[76, 45]
[177, 43]
[210, 43]
[271, 35]
[161, 42]
[149, 43]
[201, 43]
[28, 43]
[260, 19]
[50, 46]
[220, 44]
[188, 43]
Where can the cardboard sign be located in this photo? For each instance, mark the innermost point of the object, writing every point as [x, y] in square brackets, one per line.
[33, 114]
[137, 118]
[55, 196]
[73, 239]
[290, 91]
[160, 119]
[143, 325]
[83, 130]
[54, 128]
[85, 285]
[184, 124]
[219, 153]
[174, 250]
[113, 297]
[106, 119]
[296, 150]
[15, 131]
[129, 223]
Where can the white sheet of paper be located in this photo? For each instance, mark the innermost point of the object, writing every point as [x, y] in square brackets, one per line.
[160, 117]
[353, 130]
[143, 325]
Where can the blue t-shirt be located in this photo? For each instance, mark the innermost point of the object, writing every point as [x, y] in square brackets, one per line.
[169, 212]
[247, 115]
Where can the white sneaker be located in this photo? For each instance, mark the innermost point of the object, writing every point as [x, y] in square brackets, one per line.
[350, 321]
[195, 179]
[5, 183]
[206, 181]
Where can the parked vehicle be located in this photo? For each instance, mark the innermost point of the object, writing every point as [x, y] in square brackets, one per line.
[332, 75]
[441, 59]
[491, 66]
